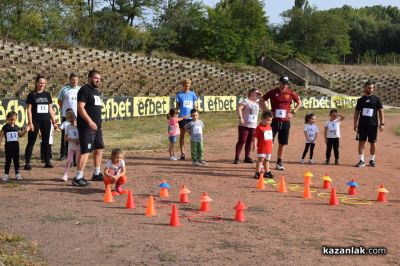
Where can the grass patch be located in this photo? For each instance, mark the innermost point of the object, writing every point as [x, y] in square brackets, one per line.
[65, 217]
[397, 130]
[167, 257]
[15, 250]
[235, 245]
[13, 185]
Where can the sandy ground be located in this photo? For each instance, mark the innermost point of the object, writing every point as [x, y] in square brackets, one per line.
[73, 227]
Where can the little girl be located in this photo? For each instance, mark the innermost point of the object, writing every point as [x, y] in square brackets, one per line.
[11, 133]
[115, 170]
[173, 131]
[72, 137]
[311, 134]
[332, 135]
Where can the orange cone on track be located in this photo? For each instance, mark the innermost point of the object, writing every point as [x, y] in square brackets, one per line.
[260, 182]
[130, 204]
[164, 186]
[183, 194]
[108, 198]
[239, 215]
[174, 221]
[307, 192]
[352, 187]
[333, 200]
[282, 185]
[382, 194]
[307, 177]
[150, 210]
[205, 199]
[327, 181]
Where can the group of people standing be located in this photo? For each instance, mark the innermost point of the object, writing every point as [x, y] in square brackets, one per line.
[82, 131]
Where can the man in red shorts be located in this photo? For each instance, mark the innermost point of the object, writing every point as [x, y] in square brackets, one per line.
[281, 98]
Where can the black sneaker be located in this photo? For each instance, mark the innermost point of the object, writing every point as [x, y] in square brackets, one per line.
[80, 183]
[27, 167]
[182, 157]
[63, 157]
[360, 164]
[268, 175]
[327, 162]
[48, 166]
[98, 177]
[257, 175]
[248, 160]
[236, 161]
[337, 161]
[372, 163]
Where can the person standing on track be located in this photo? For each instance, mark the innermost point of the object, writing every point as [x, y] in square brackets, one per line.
[366, 122]
[185, 102]
[281, 98]
[67, 99]
[89, 128]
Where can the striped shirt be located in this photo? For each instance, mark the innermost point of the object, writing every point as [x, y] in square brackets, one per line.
[68, 96]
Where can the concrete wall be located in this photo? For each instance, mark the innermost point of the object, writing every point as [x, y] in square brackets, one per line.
[274, 66]
[307, 73]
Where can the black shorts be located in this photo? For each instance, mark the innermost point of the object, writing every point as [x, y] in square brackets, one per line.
[183, 122]
[370, 133]
[90, 140]
[282, 129]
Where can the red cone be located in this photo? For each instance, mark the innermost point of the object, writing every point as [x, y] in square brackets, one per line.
[333, 201]
[130, 204]
[239, 215]
[174, 222]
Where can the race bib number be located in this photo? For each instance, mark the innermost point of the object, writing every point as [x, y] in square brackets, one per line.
[188, 104]
[72, 98]
[280, 113]
[252, 119]
[198, 130]
[268, 135]
[73, 134]
[368, 112]
[97, 100]
[311, 135]
[12, 136]
[42, 108]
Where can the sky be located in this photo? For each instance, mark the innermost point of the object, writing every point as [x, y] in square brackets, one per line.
[274, 8]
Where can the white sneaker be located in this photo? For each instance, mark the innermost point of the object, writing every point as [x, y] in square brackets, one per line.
[310, 161]
[18, 177]
[302, 161]
[279, 167]
[172, 158]
[203, 163]
[196, 163]
[5, 178]
[65, 178]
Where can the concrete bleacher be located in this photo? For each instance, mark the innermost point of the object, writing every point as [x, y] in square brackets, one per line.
[350, 80]
[124, 74]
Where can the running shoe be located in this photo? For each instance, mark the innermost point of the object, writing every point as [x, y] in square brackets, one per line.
[64, 178]
[302, 161]
[257, 175]
[337, 162]
[268, 175]
[183, 157]
[327, 162]
[360, 164]
[372, 163]
[248, 160]
[80, 182]
[203, 163]
[98, 177]
[18, 177]
[311, 161]
[27, 167]
[48, 165]
[5, 178]
[196, 163]
[280, 167]
[172, 158]
[236, 161]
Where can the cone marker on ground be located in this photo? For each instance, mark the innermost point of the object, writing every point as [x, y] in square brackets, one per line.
[174, 221]
[205, 199]
[108, 198]
[130, 204]
[333, 200]
[150, 210]
[352, 187]
[327, 181]
[183, 194]
[239, 215]
[382, 194]
[282, 185]
[164, 186]
[307, 177]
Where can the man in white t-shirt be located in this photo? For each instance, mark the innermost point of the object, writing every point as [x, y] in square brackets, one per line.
[67, 100]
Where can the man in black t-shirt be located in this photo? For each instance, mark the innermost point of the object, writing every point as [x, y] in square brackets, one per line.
[89, 128]
[366, 122]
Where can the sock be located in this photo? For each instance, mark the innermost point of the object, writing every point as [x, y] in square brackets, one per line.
[280, 161]
[96, 171]
[79, 175]
[372, 157]
[362, 157]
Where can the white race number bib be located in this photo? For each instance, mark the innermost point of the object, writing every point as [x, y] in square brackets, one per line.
[97, 100]
[252, 119]
[42, 108]
[368, 112]
[268, 135]
[280, 113]
[12, 136]
[188, 104]
[197, 130]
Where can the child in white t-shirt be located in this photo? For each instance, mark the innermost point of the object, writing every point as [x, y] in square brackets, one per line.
[72, 137]
[114, 173]
[332, 135]
[311, 134]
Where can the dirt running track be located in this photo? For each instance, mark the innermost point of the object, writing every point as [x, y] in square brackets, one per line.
[73, 227]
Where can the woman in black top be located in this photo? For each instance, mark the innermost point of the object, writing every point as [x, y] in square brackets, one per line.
[40, 117]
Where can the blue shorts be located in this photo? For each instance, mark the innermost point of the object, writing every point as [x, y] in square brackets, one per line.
[172, 139]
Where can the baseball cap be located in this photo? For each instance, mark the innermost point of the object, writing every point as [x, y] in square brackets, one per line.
[284, 80]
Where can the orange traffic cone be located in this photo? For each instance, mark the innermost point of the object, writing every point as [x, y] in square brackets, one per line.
[282, 185]
[333, 200]
[352, 187]
[307, 192]
[174, 221]
[260, 182]
[130, 204]
[381, 195]
[108, 195]
[307, 177]
[164, 186]
[150, 210]
[183, 194]
[239, 215]
[327, 181]
[205, 199]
